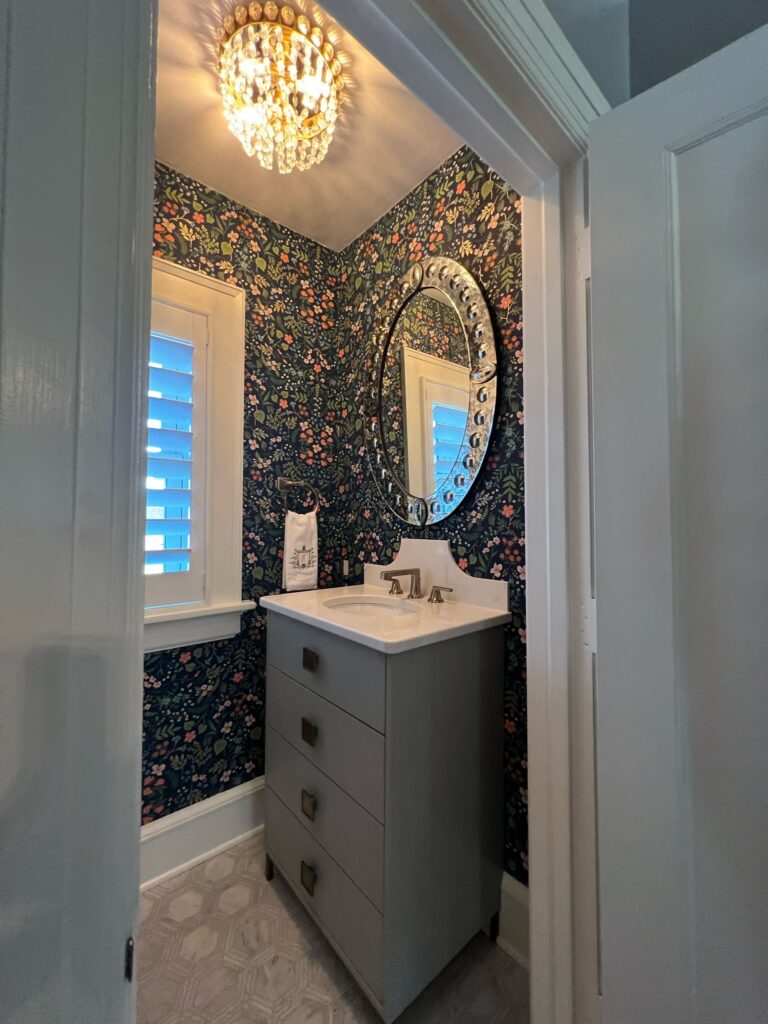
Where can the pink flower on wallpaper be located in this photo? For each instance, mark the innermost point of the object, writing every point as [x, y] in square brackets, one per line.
[305, 372]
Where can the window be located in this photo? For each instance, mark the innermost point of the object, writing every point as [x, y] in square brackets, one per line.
[194, 485]
[448, 423]
[174, 553]
[436, 402]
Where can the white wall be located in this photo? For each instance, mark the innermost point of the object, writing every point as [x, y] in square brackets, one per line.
[667, 37]
[598, 30]
[629, 46]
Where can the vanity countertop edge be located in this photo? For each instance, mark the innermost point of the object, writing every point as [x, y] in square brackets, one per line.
[436, 622]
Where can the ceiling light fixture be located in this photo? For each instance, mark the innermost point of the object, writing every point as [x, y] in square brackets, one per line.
[281, 83]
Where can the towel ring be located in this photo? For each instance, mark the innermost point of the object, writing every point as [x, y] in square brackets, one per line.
[284, 485]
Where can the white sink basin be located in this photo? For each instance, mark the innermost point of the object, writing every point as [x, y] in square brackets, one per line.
[370, 608]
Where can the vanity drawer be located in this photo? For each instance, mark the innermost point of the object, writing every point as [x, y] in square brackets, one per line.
[350, 753]
[350, 834]
[339, 905]
[345, 673]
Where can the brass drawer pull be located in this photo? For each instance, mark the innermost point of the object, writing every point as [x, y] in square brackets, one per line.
[308, 805]
[308, 732]
[310, 660]
[308, 877]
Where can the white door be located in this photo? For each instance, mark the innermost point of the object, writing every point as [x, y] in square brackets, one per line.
[679, 187]
[75, 202]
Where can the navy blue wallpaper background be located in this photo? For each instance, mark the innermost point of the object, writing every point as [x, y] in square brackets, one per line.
[204, 706]
[467, 212]
[309, 320]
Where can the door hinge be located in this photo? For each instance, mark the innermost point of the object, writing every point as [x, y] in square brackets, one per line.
[129, 958]
[588, 625]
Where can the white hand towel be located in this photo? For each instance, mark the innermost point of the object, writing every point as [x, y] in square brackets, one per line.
[300, 551]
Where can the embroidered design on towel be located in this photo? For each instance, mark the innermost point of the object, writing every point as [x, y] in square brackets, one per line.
[303, 558]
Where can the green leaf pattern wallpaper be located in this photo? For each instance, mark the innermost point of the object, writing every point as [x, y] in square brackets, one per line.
[310, 313]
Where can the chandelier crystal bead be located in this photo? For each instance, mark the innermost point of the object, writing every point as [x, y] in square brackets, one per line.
[281, 83]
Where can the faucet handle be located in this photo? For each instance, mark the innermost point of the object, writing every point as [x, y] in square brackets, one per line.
[395, 587]
[436, 594]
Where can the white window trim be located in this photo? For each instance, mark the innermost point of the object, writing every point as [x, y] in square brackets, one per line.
[218, 615]
[174, 320]
[423, 376]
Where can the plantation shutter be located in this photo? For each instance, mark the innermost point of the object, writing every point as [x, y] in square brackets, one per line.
[448, 423]
[174, 526]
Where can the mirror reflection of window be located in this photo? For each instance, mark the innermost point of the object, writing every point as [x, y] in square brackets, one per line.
[435, 402]
[425, 393]
[448, 426]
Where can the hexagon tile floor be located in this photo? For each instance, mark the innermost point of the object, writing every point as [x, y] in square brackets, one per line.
[221, 945]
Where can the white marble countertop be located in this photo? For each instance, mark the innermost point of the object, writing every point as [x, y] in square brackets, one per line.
[392, 626]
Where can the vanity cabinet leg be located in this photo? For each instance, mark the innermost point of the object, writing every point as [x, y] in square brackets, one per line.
[493, 927]
[269, 868]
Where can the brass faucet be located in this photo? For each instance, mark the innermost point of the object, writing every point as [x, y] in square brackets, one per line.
[392, 574]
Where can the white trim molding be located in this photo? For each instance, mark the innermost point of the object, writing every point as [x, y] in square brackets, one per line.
[179, 841]
[503, 103]
[513, 935]
[168, 628]
[499, 72]
[173, 619]
[547, 608]
[528, 36]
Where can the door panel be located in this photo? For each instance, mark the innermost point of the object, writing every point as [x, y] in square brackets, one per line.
[723, 224]
[680, 329]
[75, 202]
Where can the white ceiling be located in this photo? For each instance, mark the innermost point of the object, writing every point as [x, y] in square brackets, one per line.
[386, 141]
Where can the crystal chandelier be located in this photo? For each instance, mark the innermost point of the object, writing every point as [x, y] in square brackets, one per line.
[281, 84]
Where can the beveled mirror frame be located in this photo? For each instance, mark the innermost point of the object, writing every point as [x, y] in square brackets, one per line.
[463, 293]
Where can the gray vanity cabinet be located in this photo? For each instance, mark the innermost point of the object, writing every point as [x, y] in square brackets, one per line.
[384, 807]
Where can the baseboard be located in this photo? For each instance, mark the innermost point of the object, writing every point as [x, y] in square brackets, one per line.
[513, 920]
[181, 840]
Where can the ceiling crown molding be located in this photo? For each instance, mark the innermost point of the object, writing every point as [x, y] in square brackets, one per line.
[500, 72]
[528, 35]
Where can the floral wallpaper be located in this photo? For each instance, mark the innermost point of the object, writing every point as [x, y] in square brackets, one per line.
[428, 325]
[463, 210]
[204, 706]
[308, 323]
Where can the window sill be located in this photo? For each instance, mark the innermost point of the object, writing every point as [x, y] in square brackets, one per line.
[168, 628]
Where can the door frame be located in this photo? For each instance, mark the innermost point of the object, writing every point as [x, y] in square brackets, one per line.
[502, 75]
[526, 111]
[504, 78]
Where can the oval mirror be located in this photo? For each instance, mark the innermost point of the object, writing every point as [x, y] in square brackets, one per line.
[434, 392]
